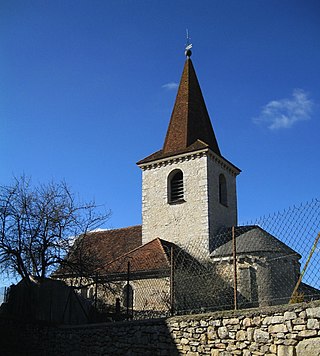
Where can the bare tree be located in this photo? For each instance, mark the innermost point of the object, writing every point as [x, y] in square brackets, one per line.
[39, 225]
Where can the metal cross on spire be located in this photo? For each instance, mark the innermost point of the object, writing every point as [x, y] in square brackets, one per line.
[188, 45]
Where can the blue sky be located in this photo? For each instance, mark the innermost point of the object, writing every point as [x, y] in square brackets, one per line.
[87, 90]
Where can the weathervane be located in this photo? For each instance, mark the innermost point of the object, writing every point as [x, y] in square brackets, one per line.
[188, 46]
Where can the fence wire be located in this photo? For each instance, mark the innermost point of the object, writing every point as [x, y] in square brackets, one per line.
[272, 260]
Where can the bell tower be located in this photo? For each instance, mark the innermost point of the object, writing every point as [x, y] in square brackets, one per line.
[188, 188]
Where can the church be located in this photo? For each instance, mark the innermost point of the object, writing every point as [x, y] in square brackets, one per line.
[182, 257]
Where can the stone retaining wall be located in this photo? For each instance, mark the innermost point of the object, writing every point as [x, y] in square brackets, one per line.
[271, 331]
[281, 330]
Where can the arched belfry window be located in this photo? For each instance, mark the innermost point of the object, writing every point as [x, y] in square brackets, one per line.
[175, 187]
[223, 196]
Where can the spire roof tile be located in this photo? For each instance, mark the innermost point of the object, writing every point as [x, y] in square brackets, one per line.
[190, 128]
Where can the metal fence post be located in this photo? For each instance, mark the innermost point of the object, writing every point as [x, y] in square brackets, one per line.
[128, 290]
[171, 281]
[96, 291]
[295, 290]
[235, 284]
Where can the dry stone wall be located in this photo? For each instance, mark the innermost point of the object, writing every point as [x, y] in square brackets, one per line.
[280, 330]
[274, 331]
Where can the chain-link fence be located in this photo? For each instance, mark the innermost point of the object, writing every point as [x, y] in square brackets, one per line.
[272, 260]
[3, 294]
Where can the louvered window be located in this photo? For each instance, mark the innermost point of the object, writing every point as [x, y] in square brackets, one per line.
[175, 187]
[223, 196]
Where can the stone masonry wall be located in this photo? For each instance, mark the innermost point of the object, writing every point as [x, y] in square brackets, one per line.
[184, 224]
[291, 330]
[219, 215]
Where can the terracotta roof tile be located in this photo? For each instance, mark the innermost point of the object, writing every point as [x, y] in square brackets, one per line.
[104, 246]
[196, 146]
[110, 244]
[150, 257]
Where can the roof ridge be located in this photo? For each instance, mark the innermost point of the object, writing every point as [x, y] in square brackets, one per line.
[117, 229]
[162, 247]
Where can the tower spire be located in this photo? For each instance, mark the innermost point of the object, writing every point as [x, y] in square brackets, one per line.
[190, 121]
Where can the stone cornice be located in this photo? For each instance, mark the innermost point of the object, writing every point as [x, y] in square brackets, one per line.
[226, 165]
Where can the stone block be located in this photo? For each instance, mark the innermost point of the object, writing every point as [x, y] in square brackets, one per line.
[215, 322]
[277, 328]
[302, 314]
[273, 349]
[313, 324]
[215, 352]
[203, 323]
[307, 333]
[309, 347]
[220, 346]
[241, 345]
[299, 321]
[184, 341]
[223, 332]
[199, 330]
[204, 339]
[261, 336]
[290, 342]
[264, 349]
[284, 350]
[232, 321]
[241, 335]
[290, 315]
[288, 325]
[256, 320]
[313, 312]
[246, 322]
[184, 324]
[232, 335]
[267, 320]
[250, 332]
[194, 343]
[277, 319]
[231, 348]
[280, 335]
[211, 333]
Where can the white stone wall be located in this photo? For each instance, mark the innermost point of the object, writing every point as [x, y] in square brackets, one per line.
[186, 224]
[191, 224]
[289, 330]
[220, 215]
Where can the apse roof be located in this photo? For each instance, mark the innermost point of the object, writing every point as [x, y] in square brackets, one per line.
[250, 239]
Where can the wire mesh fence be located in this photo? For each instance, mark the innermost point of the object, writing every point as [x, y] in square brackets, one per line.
[3, 294]
[272, 260]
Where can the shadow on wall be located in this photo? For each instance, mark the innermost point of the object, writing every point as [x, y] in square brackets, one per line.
[123, 338]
